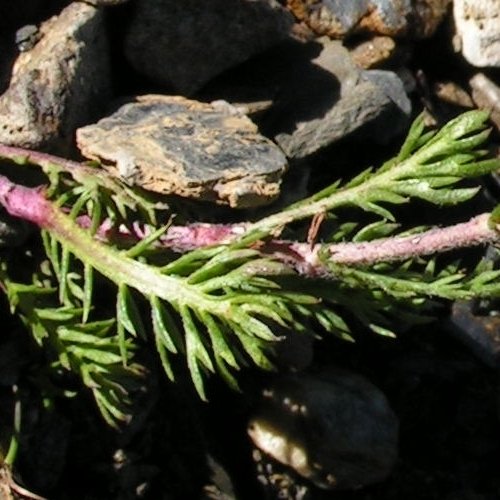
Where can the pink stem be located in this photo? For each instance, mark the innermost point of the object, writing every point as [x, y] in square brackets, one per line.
[31, 205]
[25, 203]
[466, 234]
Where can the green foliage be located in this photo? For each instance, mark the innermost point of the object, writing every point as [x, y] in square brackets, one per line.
[88, 350]
[218, 306]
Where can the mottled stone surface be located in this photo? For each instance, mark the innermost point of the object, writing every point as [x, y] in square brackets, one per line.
[486, 95]
[334, 428]
[185, 44]
[170, 144]
[477, 24]
[57, 84]
[481, 333]
[332, 98]
[374, 52]
[339, 18]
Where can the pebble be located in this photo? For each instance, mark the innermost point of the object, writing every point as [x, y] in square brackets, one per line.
[481, 333]
[27, 37]
[374, 52]
[452, 93]
[334, 428]
[57, 84]
[174, 145]
[477, 24]
[486, 95]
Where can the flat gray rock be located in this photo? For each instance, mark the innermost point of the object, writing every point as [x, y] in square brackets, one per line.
[173, 145]
[184, 44]
[59, 81]
[334, 428]
[332, 98]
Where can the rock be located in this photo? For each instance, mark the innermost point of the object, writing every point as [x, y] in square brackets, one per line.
[374, 52]
[334, 428]
[477, 24]
[486, 95]
[105, 3]
[185, 44]
[58, 84]
[13, 231]
[426, 17]
[451, 93]
[332, 98]
[338, 19]
[27, 37]
[479, 332]
[170, 144]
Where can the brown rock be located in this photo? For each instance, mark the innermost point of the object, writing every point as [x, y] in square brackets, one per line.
[57, 84]
[374, 52]
[170, 144]
[338, 18]
[452, 93]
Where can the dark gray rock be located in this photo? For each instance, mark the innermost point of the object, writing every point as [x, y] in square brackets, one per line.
[13, 231]
[481, 333]
[332, 98]
[59, 84]
[183, 44]
[173, 145]
[334, 428]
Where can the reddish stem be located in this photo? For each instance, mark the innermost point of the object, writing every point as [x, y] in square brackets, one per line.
[30, 204]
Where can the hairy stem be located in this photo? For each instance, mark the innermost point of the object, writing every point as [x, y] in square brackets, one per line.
[30, 204]
[466, 234]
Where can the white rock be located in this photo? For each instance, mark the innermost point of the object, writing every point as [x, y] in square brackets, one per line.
[478, 31]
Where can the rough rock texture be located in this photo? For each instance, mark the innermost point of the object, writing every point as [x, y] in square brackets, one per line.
[169, 144]
[452, 93]
[374, 52]
[332, 98]
[338, 18]
[59, 83]
[486, 94]
[185, 44]
[477, 24]
[479, 332]
[334, 428]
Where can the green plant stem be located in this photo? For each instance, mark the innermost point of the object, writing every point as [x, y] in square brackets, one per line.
[14, 440]
[121, 269]
[437, 147]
